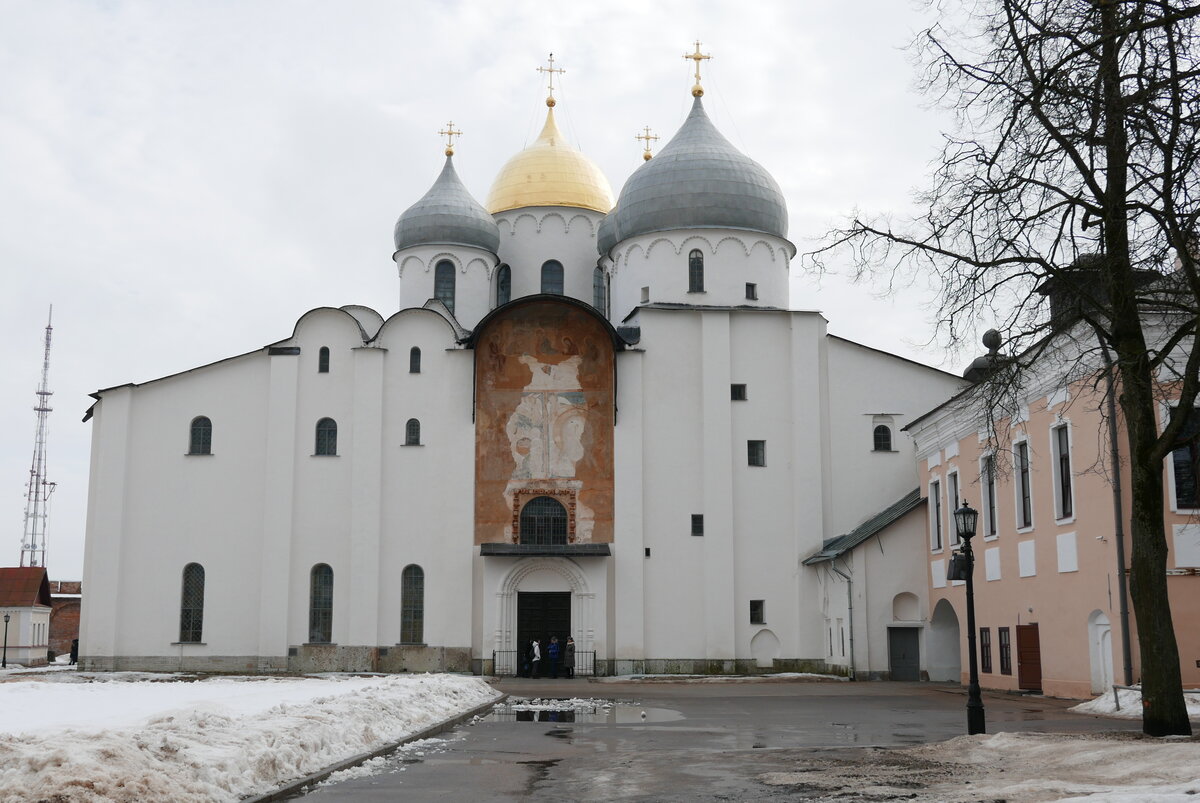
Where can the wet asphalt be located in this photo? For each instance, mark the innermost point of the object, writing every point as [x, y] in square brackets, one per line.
[698, 741]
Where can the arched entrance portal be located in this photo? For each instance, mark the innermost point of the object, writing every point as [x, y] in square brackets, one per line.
[1100, 648]
[945, 648]
[544, 597]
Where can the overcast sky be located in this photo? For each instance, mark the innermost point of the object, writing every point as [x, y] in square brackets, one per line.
[182, 180]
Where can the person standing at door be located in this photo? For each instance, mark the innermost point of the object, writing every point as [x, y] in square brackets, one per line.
[553, 652]
[535, 657]
[569, 658]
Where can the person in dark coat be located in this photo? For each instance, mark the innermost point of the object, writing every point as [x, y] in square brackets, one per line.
[569, 658]
[74, 651]
[554, 652]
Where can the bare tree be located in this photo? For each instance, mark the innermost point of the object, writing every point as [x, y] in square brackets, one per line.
[1074, 164]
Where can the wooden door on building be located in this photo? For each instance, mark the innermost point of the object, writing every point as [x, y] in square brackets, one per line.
[1029, 658]
[542, 614]
[904, 653]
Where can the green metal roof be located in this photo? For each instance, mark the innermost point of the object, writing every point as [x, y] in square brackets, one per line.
[836, 547]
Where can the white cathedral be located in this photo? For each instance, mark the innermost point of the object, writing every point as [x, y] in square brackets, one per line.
[587, 418]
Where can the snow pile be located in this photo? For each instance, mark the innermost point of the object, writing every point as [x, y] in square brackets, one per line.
[207, 740]
[579, 704]
[1131, 704]
[393, 762]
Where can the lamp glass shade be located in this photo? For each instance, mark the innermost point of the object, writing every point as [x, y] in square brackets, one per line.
[965, 519]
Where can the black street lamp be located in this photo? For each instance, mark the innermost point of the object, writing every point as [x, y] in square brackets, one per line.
[962, 567]
[4, 660]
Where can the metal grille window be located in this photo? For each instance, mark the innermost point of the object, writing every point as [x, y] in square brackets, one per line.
[320, 605]
[1185, 464]
[543, 521]
[412, 433]
[200, 441]
[989, 494]
[503, 285]
[191, 605]
[552, 277]
[758, 612]
[599, 291]
[1062, 449]
[414, 360]
[1024, 492]
[323, 360]
[737, 392]
[697, 524]
[756, 453]
[883, 438]
[326, 437]
[412, 605]
[695, 272]
[1005, 651]
[985, 649]
[443, 283]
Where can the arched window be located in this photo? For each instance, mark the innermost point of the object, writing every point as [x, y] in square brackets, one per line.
[695, 271]
[412, 433]
[552, 277]
[414, 360]
[503, 285]
[320, 605]
[191, 605]
[326, 437]
[323, 360]
[443, 283]
[412, 605]
[543, 521]
[200, 441]
[883, 438]
[599, 291]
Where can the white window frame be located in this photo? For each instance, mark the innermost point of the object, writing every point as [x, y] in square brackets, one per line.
[1018, 487]
[937, 541]
[1056, 471]
[990, 529]
[952, 481]
[1169, 464]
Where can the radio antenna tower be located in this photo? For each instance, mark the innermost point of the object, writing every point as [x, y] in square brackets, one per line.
[37, 496]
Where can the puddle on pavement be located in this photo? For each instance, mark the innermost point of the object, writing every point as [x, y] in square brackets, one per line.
[610, 712]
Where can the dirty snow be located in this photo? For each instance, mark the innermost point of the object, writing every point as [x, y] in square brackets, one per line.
[1131, 704]
[121, 737]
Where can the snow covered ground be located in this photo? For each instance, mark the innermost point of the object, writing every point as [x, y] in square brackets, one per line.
[75, 736]
[1130, 704]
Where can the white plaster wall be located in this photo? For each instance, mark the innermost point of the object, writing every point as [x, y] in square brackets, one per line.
[731, 259]
[532, 235]
[474, 275]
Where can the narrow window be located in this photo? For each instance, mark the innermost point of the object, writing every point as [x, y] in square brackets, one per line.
[503, 285]
[1185, 464]
[883, 438]
[989, 494]
[200, 441]
[935, 513]
[326, 437]
[1024, 500]
[552, 277]
[756, 453]
[985, 649]
[952, 480]
[758, 612]
[695, 271]
[191, 605]
[1005, 651]
[599, 291]
[737, 392]
[412, 433]
[323, 360]
[1062, 450]
[697, 524]
[645, 295]
[320, 605]
[443, 284]
[412, 605]
[751, 291]
[414, 360]
[543, 521]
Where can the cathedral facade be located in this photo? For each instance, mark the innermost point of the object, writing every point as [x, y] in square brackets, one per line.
[590, 417]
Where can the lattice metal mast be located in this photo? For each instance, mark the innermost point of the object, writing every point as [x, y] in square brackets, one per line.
[37, 495]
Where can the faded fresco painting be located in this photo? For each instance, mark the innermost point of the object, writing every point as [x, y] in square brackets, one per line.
[544, 374]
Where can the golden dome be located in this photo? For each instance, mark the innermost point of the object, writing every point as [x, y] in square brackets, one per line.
[550, 173]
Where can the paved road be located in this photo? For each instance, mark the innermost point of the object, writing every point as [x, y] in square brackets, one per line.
[699, 741]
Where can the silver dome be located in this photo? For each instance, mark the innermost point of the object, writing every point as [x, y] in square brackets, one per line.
[606, 233]
[447, 215]
[699, 180]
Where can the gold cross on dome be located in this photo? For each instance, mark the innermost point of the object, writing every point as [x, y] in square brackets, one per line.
[646, 137]
[551, 70]
[697, 57]
[449, 133]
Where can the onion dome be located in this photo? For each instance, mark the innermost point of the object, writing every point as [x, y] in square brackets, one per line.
[550, 173]
[699, 180]
[606, 233]
[447, 215]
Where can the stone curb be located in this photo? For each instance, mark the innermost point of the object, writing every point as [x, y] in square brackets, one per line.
[292, 788]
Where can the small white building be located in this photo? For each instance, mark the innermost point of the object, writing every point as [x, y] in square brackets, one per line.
[583, 420]
[25, 615]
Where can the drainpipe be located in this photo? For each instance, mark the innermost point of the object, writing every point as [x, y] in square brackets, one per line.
[850, 610]
[1118, 520]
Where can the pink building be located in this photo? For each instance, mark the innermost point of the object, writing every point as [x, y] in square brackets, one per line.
[1047, 577]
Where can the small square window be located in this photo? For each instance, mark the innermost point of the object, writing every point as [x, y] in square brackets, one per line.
[697, 524]
[756, 453]
[645, 295]
[647, 551]
[758, 612]
[737, 392]
[751, 291]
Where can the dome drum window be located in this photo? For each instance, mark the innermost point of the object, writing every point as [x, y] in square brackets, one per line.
[443, 284]
[503, 285]
[552, 277]
[695, 272]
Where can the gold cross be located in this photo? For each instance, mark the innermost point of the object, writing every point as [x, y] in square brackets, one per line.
[551, 70]
[697, 57]
[646, 137]
[449, 133]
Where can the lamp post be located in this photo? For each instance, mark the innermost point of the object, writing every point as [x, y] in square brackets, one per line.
[4, 660]
[965, 519]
